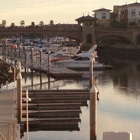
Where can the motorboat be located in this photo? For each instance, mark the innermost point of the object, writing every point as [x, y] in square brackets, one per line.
[60, 53]
[66, 52]
[81, 61]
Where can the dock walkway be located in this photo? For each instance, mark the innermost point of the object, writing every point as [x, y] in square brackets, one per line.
[7, 119]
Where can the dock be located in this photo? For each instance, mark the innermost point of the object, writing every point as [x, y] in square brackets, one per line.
[54, 109]
[7, 118]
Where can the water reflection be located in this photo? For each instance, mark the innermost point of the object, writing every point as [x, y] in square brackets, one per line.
[118, 107]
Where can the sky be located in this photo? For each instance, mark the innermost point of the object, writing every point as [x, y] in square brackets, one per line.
[60, 11]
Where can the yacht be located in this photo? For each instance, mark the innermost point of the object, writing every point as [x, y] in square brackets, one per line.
[81, 61]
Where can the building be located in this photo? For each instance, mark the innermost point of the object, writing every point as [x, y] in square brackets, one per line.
[103, 17]
[130, 13]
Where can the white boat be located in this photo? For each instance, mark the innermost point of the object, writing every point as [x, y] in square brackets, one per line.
[62, 53]
[81, 61]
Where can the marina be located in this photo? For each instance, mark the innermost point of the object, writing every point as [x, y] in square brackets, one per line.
[63, 81]
[118, 89]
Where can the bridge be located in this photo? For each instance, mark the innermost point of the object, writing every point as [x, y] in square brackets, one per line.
[80, 33]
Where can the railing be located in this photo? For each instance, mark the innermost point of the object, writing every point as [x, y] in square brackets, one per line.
[26, 56]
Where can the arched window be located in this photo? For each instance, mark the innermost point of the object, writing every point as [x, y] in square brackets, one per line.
[89, 38]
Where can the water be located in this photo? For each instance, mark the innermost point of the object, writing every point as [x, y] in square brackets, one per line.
[118, 105]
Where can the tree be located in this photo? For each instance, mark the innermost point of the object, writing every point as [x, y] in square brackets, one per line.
[32, 24]
[41, 23]
[12, 24]
[3, 23]
[117, 24]
[22, 23]
[51, 22]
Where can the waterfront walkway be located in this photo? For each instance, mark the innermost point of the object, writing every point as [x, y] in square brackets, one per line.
[7, 119]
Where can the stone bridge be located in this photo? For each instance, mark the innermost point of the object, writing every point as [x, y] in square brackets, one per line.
[76, 32]
[131, 34]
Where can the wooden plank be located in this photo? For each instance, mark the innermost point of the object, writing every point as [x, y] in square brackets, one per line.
[60, 90]
[40, 127]
[59, 97]
[83, 102]
[51, 106]
[50, 119]
[52, 114]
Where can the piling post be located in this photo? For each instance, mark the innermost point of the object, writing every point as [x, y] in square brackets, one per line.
[40, 58]
[32, 55]
[49, 62]
[93, 113]
[7, 85]
[19, 95]
[18, 132]
[1, 88]
[91, 71]
[27, 121]
[15, 52]
[40, 80]
[8, 50]
[25, 57]
[32, 79]
[19, 51]
[8, 54]
[49, 82]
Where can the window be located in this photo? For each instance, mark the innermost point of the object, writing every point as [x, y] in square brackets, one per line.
[103, 15]
[103, 23]
[86, 58]
[133, 20]
[133, 12]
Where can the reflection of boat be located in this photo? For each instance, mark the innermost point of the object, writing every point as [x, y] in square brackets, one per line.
[86, 74]
[81, 61]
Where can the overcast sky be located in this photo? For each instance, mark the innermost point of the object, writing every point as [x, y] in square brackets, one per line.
[60, 11]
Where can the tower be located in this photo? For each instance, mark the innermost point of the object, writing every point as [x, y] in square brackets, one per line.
[88, 30]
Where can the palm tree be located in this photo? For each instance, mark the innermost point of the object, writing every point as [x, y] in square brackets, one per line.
[12, 24]
[41, 23]
[3, 23]
[32, 24]
[22, 23]
[51, 22]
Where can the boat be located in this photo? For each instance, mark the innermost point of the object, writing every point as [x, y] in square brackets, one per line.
[81, 61]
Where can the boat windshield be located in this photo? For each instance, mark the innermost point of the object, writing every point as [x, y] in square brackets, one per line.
[80, 58]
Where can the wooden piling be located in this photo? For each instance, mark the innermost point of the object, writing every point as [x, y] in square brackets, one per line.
[31, 55]
[49, 62]
[91, 72]
[19, 98]
[93, 113]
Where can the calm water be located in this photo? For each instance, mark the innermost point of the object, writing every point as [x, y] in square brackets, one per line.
[118, 105]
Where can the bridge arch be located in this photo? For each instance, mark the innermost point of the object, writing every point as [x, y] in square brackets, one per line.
[122, 34]
[112, 39]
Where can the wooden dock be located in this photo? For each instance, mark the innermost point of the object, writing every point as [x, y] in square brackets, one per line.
[59, 73]
[54, 109]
